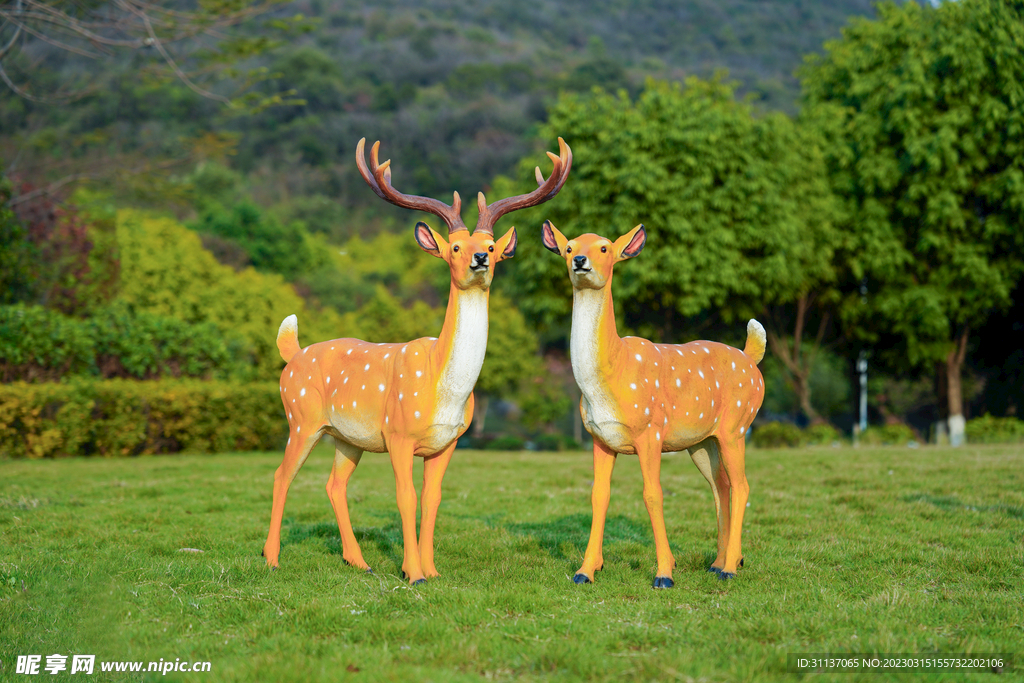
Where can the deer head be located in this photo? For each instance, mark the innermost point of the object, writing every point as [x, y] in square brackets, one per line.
[590, 258]
[471, 257]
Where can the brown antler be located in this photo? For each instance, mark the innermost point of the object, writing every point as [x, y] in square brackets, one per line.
[489, 215]
[380, 182]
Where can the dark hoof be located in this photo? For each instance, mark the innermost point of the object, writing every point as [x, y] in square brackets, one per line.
[725, 576]
[273, 569]
[369, 571]
[262, 554]
[600, 568]
[662, 582]
[581, 579]
[741, 561]
[419, 582]
[714, 570]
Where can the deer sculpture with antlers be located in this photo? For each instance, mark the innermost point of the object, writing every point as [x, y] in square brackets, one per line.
[645, 399]
[409, 399]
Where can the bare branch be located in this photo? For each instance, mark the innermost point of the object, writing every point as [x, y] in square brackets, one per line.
[170, 60]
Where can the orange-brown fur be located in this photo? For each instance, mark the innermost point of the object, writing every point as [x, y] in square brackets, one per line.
[645, 399]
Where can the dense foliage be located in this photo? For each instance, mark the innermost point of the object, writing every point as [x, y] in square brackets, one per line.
[884, 219]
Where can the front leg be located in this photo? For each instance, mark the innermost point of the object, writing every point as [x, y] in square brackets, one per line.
[593, 559]
[401, 451]
[433, 472]
[649, 454]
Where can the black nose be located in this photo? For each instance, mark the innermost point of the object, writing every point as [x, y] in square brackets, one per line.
[578, 262]
[480, 257]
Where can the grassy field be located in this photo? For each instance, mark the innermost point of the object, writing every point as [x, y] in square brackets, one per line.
[889, 550]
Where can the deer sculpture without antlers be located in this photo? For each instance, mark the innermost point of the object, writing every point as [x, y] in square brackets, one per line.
[409, 399]
[645, 399]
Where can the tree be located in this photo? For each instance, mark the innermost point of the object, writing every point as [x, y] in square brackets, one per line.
[738, 211]
[178, 36]
[930, 163]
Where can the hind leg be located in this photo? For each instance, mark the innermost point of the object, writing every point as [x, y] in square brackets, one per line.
[295, 454]
[705, 456]
[733, 463]
[346, 458]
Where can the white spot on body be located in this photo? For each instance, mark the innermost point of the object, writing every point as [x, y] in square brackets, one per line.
[739, 403]
[633, 386]
[303, 392]
[381, 387]
[743, 429]
[328, 379]
[678, 383]
[366, 367]
[701, 373]
[734, 365]
[656, 384]
[638, 357]
[419, 373]
[417, 414]
[647, 411]
[353, 404]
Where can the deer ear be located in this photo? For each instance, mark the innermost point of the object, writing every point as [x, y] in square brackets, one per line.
[506, 246]
[429, 240]
[553, 240]
[631, 244]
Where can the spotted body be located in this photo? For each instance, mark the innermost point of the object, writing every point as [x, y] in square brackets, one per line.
[642, 398]
[409, 399]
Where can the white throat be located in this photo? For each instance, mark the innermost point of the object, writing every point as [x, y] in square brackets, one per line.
[588, 310]
[464, 359]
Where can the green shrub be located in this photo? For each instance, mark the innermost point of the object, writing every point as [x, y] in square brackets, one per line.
[506, 443]
[777, 435]
[125, 417]
[822, 434]
[990, 429]
[38, 344]
[890, 435]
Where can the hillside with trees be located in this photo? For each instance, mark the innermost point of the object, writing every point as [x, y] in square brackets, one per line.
[869, 208]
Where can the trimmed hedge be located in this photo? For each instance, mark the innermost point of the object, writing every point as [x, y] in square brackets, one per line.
[124, 417]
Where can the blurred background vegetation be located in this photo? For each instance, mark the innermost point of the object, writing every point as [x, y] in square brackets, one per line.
[851, 176]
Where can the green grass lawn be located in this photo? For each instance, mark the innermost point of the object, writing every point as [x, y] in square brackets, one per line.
[889, 550]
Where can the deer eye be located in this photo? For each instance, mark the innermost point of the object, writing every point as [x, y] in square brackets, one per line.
[568, 250]
[455, 248]
[491, 248]
[604, 250]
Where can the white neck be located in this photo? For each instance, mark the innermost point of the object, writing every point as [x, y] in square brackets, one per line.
[593, 334]
[465, 334]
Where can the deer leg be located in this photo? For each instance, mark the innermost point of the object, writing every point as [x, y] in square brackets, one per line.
[733, 462]
[346, 458]
[295, 454]
[433, 473]
[705, 457]
[405, 492]
[724, 514]
[593, 559]
[650, 468]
